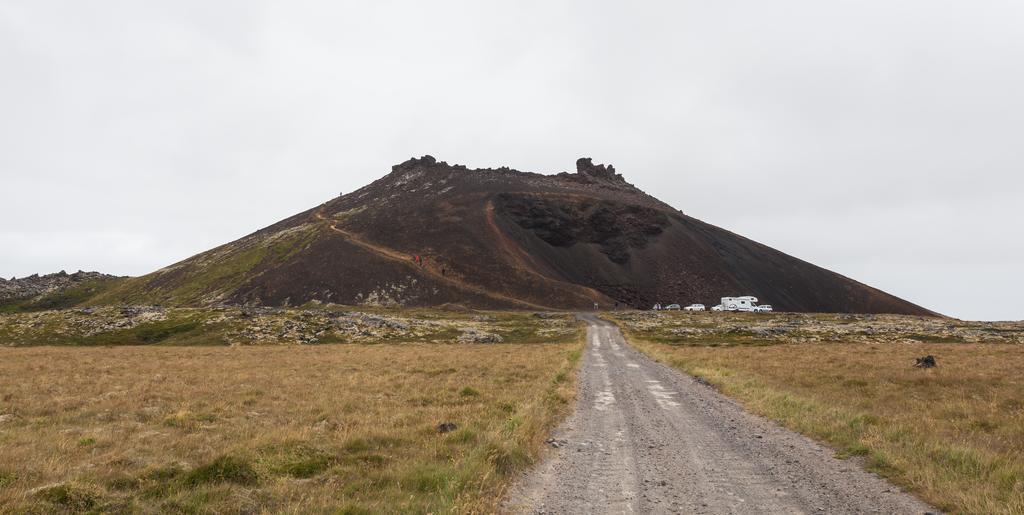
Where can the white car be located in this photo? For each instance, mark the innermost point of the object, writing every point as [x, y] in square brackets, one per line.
[716, 308]
[762, 308]
[694, 307]
[672, 307]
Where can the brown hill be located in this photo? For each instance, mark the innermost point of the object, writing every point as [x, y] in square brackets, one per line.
[501, 238]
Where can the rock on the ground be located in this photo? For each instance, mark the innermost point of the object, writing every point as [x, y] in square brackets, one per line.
[471, 335]
[36, 285]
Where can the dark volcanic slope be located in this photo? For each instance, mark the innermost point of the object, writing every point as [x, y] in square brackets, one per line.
[502, 238]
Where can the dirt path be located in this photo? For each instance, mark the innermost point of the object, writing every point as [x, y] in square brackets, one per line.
[405, 259]
[648, 439]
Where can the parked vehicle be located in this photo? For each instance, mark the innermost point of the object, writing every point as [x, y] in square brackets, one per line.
[672, 307]
[694, 307]
[746, 303]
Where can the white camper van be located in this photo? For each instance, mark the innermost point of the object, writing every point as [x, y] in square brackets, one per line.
[746, 303]
[739, 303]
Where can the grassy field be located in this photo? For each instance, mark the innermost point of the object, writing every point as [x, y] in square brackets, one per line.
[300, 429]
[953, 434]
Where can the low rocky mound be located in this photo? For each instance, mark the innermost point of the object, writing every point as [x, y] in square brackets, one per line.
[430, 233]
[37, 285]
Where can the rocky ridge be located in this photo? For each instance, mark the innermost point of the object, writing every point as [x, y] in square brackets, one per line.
[759, 328]
[36, 285]
[225, 325]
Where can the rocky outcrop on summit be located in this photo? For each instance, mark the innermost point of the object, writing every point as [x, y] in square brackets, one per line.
[36, 285]
[586, 168]
[431, 233]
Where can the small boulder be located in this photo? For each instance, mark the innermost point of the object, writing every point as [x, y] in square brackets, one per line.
[478, 336]
[446, 427]
[926, 362]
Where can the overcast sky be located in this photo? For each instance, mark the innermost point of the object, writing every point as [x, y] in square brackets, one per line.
[881, 139]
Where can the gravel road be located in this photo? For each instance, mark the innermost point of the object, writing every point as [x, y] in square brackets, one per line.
[648, 439]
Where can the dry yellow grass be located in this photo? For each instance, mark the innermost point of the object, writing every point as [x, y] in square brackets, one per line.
[340, 428]
[953, 434]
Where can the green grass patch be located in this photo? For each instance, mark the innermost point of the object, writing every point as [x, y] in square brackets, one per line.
[158, 332]
[225, 469]
[179, 327]
[163, 473]
[575, 355]
[296, 459]
[507, 457]
[157, 482]
[935, 338]
[7, 478]
[430, 477]
[71, 497]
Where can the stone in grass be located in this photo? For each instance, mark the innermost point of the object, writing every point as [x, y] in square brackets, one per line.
[926, 362]
[478, 336]
[446, 427]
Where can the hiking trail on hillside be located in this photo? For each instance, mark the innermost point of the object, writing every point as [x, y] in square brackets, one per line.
[404, 258]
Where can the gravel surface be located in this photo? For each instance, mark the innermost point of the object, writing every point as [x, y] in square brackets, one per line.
[646, 438]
